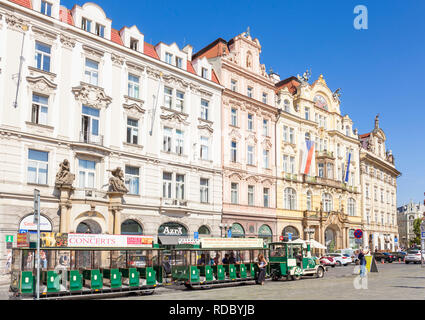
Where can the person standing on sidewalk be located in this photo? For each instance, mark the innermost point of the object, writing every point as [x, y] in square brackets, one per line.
[262, 263]
[362, 260]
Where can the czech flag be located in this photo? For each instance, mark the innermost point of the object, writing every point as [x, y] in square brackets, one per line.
[308, 160]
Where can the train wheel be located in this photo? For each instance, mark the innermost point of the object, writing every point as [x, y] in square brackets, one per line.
[320, 273]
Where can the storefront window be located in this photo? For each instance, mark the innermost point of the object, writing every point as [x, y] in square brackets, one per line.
[237, 231]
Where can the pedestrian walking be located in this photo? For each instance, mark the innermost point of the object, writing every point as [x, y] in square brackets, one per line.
[362, 260]
[9, 262]
[262, 264]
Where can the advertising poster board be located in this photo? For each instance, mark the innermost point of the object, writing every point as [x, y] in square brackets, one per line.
[212, 243]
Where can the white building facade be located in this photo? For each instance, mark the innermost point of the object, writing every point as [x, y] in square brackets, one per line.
[406, 216]
[102, 99]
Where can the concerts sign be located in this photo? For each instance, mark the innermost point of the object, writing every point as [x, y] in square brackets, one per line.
[75, 240]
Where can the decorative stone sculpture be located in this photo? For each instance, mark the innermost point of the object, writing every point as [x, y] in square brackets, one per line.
[64, 176]
[305, 77]
[116, 183]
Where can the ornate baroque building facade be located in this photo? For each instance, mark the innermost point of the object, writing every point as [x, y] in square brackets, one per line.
[138, 125]
[406, 216]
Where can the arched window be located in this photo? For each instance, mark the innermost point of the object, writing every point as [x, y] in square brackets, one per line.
[266, 233]
[237, 231]
[204, 230]
[290, 198]
[309, 201]
[327, 202]
[351, 207]
[292, 230]
[131, 227]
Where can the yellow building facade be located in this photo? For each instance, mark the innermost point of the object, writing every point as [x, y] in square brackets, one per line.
[322, 204]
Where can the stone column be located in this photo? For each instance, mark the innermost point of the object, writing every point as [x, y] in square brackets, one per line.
[115, 208]
[65, 206]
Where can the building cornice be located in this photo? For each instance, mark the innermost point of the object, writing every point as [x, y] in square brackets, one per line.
[364, 156]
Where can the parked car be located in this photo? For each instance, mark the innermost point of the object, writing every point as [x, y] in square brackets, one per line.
[384, 256]
[413, 255]
[399, 255]
[328, 262]
[340, 259]
[351, 259]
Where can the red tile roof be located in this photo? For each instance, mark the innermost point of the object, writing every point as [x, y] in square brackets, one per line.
[115, 37]
[24, 3]
[190, 67]
[367, 135]
[150, 51]
[65, 16]
[214, 77]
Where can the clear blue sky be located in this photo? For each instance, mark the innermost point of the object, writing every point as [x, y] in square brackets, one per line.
[380, 70]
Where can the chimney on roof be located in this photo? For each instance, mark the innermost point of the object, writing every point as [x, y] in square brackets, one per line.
[274, 76]
[189, 51]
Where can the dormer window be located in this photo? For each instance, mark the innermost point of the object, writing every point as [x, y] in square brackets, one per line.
[168, 58]
[179, 62]
[204, 73]
[100, 30]
[86, 24]
[46, 8]
[134, 44]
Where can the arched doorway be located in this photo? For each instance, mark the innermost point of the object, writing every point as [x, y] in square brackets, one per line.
[291, 230]
[238, 231]
[131, 227]
[331, 239]
[265, 232]
[89, 226]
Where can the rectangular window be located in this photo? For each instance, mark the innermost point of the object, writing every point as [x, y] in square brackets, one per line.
[180, 101]
[86, 174]
[180, 186]
[42, 56]
[250, 92]
[265, 96]
[250, 195]
[179, 62]
[234, 86]
[266, 159]
[233, 151]
[46, 8]
[234, 193]
[204, 190]
[250, 122]
[285, 164]
[167, 180]
[167, 140]
[292, 165]
[168, 98]
[134, 44]
[39, 109]
[285, 134]
[265, 128]
[179, 142]
[292, 135]
[307, 113]
[168, 58]
[86, 24]
[204, 152]
[250, 156]
[234, 117]
[38, 167]
[132, 131]
[90, 124]
[205, 73]
[133, 86]
[132, 179]
[92, 72]
[204, 109]
[266, 196]
[321, 170]
[100, 30]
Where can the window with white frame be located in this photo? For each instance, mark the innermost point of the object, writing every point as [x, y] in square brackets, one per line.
[90, 120]
[292, 135]
[234, 117]
[132, 179]
[233, 151]
[180, 187]
[250, 155]
[168, 58]
[234, 85]
[205, 109]
[321, 168]
[204, 190]
[265, 97]
[133, 86]
[234, 193]
[204, 150]
[204, 73]
[307, 113]
[351, 207]
[92, 72]
[179, 101]
[168, 97]
[132, 131]
[46, 8]
[250, 92]
[167, 182]
[42, 56]
[285, 133]
[266, 159]
[285, 163]
[250, 122]
[86, 24]
[265, 127]
[100, 30]
[179, 62]
[86, 174]
[327, 202]
[286, 105]
[167, 139]
[309, 201]
[179, 142]
[266, 197]
[289, 199]
[40, 107]
[134, 44]
[38, 164]
[292, 165]
[250, 195]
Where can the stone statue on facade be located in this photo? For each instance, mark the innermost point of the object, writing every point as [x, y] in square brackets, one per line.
[305, 77]
[64, 176]
[337, 94]
[117, 183]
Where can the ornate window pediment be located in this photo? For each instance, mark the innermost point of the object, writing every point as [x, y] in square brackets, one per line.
[174, 81]
[41, 84]
[43, 35]
[234, 134]
[251, 138]
[134, 110]
[67, 42]
[206, 129]
[91, 96]
[93, 53]
[172, 116]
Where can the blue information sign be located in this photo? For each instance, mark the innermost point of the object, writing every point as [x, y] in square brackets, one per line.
[22, 231]
[196, 235]
[289, 236]
[423, 235]
[229, 233]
